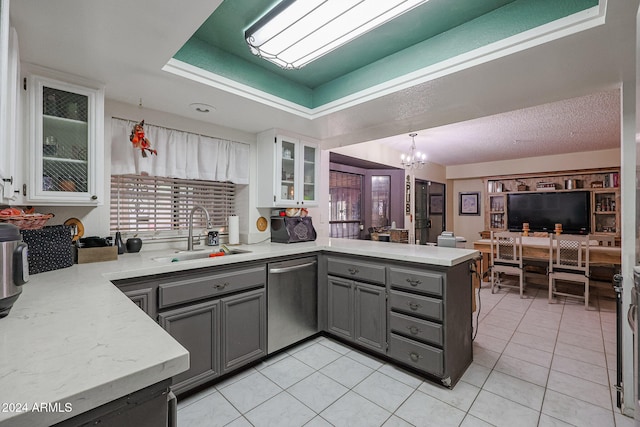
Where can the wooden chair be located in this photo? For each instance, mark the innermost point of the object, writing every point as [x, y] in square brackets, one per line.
[569, 261]
[506, 248]
[603, 272]
[604, 240]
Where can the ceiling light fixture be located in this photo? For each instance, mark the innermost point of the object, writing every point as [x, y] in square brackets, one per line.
[415, 159]
[294, 33]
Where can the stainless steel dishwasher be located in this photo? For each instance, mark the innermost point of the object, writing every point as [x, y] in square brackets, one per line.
[292, 302]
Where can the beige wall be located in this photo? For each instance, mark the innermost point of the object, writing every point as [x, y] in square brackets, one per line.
[467, 226]
[560, 162]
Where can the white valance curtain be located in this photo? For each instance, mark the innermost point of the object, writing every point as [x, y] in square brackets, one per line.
[180, 155]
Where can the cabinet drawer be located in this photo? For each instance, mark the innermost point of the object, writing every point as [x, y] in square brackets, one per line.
[416, 305]
[418, 355]
[416, 328]
[417, 280]
[356, 270]
[185, 288]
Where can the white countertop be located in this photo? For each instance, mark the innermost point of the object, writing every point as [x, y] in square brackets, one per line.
[74, 338]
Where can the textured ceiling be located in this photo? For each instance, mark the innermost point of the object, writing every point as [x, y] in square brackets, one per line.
[587, 123]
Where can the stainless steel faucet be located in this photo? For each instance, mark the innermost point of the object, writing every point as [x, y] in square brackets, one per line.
[195, 208]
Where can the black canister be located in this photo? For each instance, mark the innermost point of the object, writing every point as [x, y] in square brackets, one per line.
[212, 238]
[134, 244]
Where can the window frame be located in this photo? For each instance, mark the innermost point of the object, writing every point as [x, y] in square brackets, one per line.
[159, 207]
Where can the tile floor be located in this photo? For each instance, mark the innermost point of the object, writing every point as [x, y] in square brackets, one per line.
[534, 364]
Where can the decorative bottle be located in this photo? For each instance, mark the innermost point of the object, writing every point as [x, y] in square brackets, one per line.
[119, 243]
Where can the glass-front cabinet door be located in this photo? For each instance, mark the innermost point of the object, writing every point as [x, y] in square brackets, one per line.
[309, 173]
[65, 142]
[287, 153]
[296, 172]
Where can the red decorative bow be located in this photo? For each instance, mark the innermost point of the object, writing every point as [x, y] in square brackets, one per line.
[140, 141]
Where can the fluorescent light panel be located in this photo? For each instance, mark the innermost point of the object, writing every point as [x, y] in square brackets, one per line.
[294, 33]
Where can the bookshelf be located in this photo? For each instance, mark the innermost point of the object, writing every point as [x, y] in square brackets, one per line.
[603, 184]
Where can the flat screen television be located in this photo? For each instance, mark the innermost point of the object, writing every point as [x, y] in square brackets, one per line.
[546, 209]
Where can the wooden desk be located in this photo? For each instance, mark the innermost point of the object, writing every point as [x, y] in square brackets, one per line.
[537, 248]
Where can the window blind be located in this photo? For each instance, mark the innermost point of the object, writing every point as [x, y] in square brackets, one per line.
[160, 206]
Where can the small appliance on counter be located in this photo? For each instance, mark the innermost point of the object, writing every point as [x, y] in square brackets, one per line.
[292, 229]
[14, 266]
[448, 239]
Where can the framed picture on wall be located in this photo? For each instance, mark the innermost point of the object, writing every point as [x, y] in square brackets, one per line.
[469, 203]
[436, 202]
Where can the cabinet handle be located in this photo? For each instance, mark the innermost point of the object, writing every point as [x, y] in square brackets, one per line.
[414, 330]
[413, 282]
[413, 305]
[94, 197]
[354, 270]
[220, 286]
[414, 356]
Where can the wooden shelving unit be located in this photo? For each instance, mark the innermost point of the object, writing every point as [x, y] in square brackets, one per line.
[603, 184]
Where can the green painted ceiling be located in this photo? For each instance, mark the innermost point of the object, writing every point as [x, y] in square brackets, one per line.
[433, 32]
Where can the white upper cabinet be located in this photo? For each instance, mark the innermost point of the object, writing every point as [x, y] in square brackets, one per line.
[65, 142]
[287, 171]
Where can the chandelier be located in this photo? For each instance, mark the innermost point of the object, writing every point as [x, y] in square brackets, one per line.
[415, 159]
[294, 33]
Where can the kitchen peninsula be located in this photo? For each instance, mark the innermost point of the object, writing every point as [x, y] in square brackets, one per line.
[74, 338]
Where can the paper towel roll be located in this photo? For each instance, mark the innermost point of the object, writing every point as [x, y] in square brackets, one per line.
[234, 230]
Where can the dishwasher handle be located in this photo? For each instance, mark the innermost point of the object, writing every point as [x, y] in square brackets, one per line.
[279, 270]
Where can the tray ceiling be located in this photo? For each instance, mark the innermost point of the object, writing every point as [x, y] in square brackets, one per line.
[429, 34]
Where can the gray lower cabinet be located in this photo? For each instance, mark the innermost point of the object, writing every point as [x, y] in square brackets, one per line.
[221, 335]
[244, 329]
[340, 317]
[357, 311]
[418, 315]
[197, 328]
[370, 316]
[218, 314]
[142, 293]
[152, 406]
[430, 319]
[142, 298]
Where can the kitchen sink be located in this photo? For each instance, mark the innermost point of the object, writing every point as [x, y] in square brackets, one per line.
[197, 254]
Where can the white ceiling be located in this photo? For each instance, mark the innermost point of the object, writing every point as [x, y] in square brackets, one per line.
[555, 97]
[586, 123]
